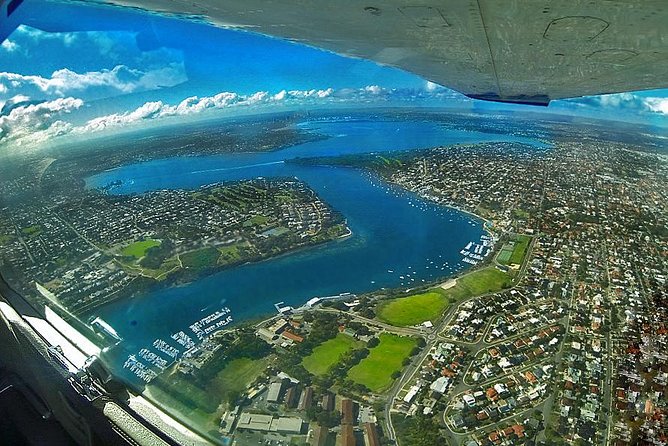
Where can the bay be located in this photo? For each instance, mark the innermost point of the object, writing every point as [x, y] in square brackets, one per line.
[396, 236]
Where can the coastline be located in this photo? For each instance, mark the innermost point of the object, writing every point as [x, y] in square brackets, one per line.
[175, 282]
[452, 277]
[349, 233]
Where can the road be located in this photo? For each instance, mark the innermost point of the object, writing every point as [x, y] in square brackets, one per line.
[405, 331]
[435, 336]
[414, 367]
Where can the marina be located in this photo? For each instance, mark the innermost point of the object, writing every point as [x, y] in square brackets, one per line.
[475, 252]
[151, 360]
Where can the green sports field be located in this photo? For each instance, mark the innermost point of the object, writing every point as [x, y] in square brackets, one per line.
[514, 251]
[506, 252]
[482, 281]
[327, 354]
[375, 371]
[520, 250]
[413, 310]
[138, 249]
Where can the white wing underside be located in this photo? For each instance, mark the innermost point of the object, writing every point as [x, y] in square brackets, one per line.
[528, 51]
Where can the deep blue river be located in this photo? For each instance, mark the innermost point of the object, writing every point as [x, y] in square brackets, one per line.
[398, 239]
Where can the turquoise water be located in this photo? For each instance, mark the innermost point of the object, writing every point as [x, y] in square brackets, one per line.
[398, 239]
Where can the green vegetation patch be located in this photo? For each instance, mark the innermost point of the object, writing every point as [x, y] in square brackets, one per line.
[138, 249]
[520, 213]
[168, 266]
[32, 230]
[160, 273]
[486, 280]
[4, 238]
[223, 378]
[513, 251]
[329, 353]
[375, 371]
[420, 430]
[258, 220]
[413, 310]
[236, 376]
[389, 162]
[506, 252]
[197, 401]
[521, 246]
[233, 253]
[200, 258]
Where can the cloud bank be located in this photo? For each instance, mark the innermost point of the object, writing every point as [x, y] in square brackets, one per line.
[48, 65]
[30, 123]
[38, 122]
[118, 80]
[226, 100]
[623, 102]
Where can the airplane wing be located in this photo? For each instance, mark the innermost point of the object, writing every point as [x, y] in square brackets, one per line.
[525, 51]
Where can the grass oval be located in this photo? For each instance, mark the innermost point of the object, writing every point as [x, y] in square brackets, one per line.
[413, 310]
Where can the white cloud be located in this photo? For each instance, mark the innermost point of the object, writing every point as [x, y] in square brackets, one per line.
[320, 94]
[37, 35]
[119, 80]
[257, 98]
[20, 98]
[616, 100]
[295, 94]
[280, 95]
[373, 89]
[147, 111]
[9, 46]
[623, 101]
[658, 105]
[37, 122]
[125, 66]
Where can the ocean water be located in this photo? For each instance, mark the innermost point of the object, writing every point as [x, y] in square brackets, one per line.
[398, 239]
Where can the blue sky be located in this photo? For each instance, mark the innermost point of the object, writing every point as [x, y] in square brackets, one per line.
[97, 68]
